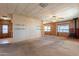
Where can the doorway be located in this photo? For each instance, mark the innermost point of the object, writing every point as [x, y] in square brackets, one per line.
[6, 29]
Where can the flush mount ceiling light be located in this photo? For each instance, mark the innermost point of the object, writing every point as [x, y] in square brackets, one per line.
[56, 19]
[5, 17]
[43, 5]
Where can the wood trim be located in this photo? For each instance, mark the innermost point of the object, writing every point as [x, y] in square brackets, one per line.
[10, 31]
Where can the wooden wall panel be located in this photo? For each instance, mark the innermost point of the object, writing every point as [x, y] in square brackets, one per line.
[78, 28]
[71, 26]
[53, 29]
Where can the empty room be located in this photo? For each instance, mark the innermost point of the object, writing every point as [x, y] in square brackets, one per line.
[39, 29]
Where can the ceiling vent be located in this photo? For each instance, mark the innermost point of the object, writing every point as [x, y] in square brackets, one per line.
[43, 5]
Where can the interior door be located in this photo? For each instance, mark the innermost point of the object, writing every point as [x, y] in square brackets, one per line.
[6, 29]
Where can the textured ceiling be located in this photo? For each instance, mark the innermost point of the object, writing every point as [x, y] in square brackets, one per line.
[65, 10]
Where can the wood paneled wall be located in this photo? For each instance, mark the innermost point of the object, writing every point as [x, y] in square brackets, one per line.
[54, 30]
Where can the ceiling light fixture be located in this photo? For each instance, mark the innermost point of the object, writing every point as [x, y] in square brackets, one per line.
[5, 18]
[56, 19]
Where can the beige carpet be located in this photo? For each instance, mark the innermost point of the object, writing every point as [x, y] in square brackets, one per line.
[44, 46]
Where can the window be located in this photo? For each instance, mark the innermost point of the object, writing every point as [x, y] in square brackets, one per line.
[63, 28]
[5, 29]
[47, 28]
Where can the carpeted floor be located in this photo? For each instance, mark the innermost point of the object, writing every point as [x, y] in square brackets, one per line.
[44, 46]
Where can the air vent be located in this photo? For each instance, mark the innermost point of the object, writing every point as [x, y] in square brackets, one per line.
[53, 16]
[43, 5]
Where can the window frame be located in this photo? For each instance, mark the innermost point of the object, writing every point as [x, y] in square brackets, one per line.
[47, 28]
[4, 31]
[63, 28]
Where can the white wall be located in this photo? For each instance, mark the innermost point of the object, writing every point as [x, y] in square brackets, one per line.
[25, 28]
